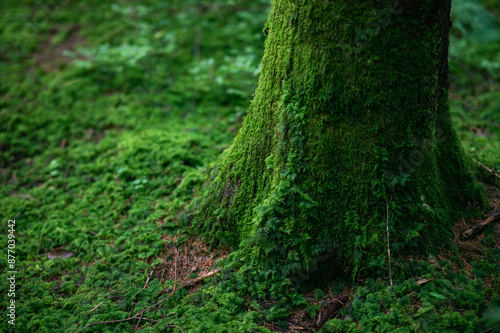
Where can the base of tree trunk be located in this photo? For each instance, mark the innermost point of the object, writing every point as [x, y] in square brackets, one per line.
[350, 122]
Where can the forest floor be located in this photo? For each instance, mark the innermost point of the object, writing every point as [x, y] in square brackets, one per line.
[110, 112]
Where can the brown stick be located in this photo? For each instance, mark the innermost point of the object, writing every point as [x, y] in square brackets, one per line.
[138, 322]
[98, 305]
[138, 315]
[203, 277]
[175, 268]
[149, 277]
[163, 300]
[54, 296]
[424, 281]
[161, 279]
[485, 167]
[389, 252]
[469, 232]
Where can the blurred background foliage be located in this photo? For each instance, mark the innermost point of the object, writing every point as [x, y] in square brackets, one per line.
[475, 76]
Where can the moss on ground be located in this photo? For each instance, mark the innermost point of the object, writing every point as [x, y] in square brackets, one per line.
[112, 113]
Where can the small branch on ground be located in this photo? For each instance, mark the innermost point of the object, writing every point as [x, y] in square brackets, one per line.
[149, 277]
[424, 281]
[138, 315]
[161, 279]
[138, 322]
[201, 278]
[389, 251]
[54, 296]
[163, 300]
[485, 167]
[421, 282]
[98, 305]
[469, 232]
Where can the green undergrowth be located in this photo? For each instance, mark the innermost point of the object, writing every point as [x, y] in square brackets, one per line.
[374, 310]
[110, 114]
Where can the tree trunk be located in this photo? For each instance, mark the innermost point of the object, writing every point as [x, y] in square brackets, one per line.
[350, 120]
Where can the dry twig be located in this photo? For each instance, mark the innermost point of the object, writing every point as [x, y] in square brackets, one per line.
[138, 315]
[98, 305]
[201, 278]
[485, 167]
[424, 281]
[149, 277]
[389, 251]
[469, 232]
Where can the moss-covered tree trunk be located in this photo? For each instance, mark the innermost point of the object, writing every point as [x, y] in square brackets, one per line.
[350, 122]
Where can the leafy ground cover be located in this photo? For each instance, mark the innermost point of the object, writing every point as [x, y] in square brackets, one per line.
[111, 112]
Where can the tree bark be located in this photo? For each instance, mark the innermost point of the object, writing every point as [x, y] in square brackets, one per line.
[351, 111]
